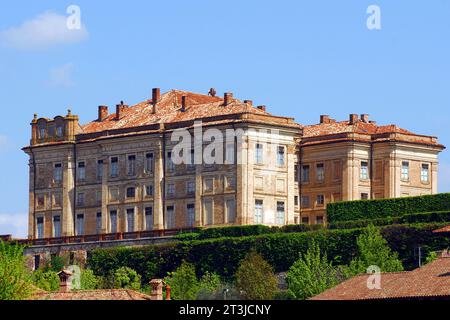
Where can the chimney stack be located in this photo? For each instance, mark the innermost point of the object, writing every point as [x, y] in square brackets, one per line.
[373, 122]
[263, 108]
[183, 103]
[120, 109]
[65, 284]
[156, 97]
[250, 102]
[157, 289]
[353, 118]
[102, 113]
[365, 118]
[324, 118]
[227, 98]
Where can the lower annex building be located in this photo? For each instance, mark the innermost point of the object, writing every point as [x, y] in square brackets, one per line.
[117, 174]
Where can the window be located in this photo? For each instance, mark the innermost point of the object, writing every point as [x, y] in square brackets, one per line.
[319, 220]
[229, 153]
[131, 192]
[57, 173]
[170, 189]
[230, 182]
[113, 221]
[305, 173]
[280, 156]
[42, 133]
[320, 200]
[364, 172]
[230, 211]
[130, 220]
[149, 163]
[98, 223]
[425, 173]
[190, 187]
[149, 190]
[259, 153]
[320, 172]
[364, 196]
[258, 212]
[99, 169]
[80, 224]
[98, 197]
[190, 208]
[131, 165]
[114, 194]
[56, 226]
[170, 164]
[59, 131]
[305, 202]
[37, 262]
[295, 200]
[40, 201]
[170, 217]
[305, 220]
[208, 185]
[81, 171]
[148, 218]
[80, 199]
[280, 219]
[40, 227]
[208, 212]
[405, 170]
[296, 173]
[114, 167]
[191, 164]
[57, 199]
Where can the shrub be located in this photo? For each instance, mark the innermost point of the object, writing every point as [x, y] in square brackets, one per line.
[15, 281]
[374, 251]
[89, 281]
[46, 280]
[255, 278]
[127, 278]
[372, 209]
[183, 282]
[311, 274]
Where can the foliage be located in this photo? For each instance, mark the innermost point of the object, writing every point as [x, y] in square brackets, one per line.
[225, 291]
[209, 282]
[89, 281]
[56, 264]
[424, 217]
[373, 250]
[255, 278]
[372, 209]
[127, 278]
[46, 280]
[183, 282]
[311, 274]
[15, 282]
[431, 257]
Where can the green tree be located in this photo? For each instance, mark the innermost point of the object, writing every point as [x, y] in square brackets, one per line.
[255, 278]
[88, 280]
[15, 280]
[208, 284]
[46, 280]
[373, 250]
[311, 274]
[127, 278]
[183, 282]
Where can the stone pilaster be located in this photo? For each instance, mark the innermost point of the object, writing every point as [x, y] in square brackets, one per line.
[158, 210]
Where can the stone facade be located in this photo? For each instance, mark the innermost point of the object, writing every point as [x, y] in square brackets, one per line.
[114, 174]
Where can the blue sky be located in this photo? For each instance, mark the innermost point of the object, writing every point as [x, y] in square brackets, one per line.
[300, 58]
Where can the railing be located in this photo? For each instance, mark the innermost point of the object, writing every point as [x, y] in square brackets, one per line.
[103, 237]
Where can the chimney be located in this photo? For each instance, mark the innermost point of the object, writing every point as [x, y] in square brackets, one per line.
[168, 289]
[119, 110]
[325, 118]
[227, 97]
[183, 103]
[102, 113]
[65, 284]
[157, 286]
[263, 108]
[365, 118]
[156, 97]
[373, 122]
[353, 118]
[250, 102]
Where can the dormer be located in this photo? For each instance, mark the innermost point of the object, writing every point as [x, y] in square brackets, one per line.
[44, 130]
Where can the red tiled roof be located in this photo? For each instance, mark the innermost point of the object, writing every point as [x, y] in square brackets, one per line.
[113, 294]
[345, 126]
[442, 230]
[169, 111]
[432, 280]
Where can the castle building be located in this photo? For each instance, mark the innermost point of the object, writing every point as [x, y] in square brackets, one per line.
[117, 174]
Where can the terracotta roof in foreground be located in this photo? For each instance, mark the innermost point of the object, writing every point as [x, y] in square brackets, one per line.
[442, 230]
[430, 281]
[113, 294]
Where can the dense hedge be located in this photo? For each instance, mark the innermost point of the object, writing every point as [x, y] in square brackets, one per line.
[373, 209]
[281, 250]
[425, 217]
[242, 231]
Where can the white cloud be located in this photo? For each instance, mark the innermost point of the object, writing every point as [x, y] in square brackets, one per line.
[61, 76]
[15, 224]
[45, 30]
